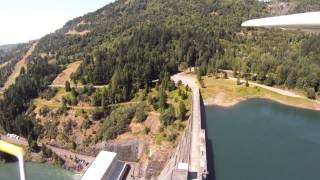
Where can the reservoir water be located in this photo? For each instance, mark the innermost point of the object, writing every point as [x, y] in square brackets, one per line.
[263, 140]
[35, 171]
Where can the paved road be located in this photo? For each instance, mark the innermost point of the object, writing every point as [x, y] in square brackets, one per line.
[21, 141]
[195, 156]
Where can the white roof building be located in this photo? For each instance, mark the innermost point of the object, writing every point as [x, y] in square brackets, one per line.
[105, 167]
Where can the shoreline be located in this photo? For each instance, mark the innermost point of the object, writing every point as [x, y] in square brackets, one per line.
[212, 102]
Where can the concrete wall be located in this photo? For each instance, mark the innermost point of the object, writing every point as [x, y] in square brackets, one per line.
[130, 151]
[181, 155]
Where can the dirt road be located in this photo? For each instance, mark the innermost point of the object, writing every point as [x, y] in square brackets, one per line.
[21, 141]
[280, 91]
[63, 153]
[273, 89]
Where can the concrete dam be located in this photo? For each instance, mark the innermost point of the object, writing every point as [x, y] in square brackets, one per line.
[190, 158]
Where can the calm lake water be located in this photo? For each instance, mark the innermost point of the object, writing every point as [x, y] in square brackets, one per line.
[36, 172]
[263, 140]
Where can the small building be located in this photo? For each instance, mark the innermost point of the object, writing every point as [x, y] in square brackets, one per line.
[106, 166]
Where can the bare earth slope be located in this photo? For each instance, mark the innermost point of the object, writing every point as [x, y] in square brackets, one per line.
[65, 75]
[3, 64]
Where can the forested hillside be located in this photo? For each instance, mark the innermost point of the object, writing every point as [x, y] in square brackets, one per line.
[9, 56]
[129, 43]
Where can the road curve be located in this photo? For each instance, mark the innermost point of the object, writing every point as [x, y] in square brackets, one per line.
[195, 155]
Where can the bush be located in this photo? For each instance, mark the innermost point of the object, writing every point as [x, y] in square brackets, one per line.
[85, 124]
[247, 83]
[116, 123]
[140, 115]
[74, 145]
[49, 93]
[182, 111]
[150, 100]
[44, 111]
[146, 130]
[171, 86]
[97, 115]
[311, 94]
[269, 81]
[172, 137]
[47, 153]
[67, 127]
[167, 116]
[68, 86]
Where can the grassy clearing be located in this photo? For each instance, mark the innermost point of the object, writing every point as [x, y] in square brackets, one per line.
[224, 92]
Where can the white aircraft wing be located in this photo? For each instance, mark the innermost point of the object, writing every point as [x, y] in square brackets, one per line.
[305, 22]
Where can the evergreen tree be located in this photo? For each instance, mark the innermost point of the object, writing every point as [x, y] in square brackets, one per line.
[162, 99]
[68, 86]
[182, 111]
[140, 115]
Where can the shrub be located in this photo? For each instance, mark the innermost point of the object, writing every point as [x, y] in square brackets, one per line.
[97, 115]
[49, 93]
[44, 111]
[146, 130]
[311, 94]
[182, 111]
[140, 115]
[172, 137]
[68, 86]
[85, 124]
[167, 116]
[47, 153]
[116, 123]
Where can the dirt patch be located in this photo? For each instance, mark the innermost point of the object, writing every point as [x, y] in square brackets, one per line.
[219, 100]
[74, 32]
[153, 123]
[281, 8]
[65, 75]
